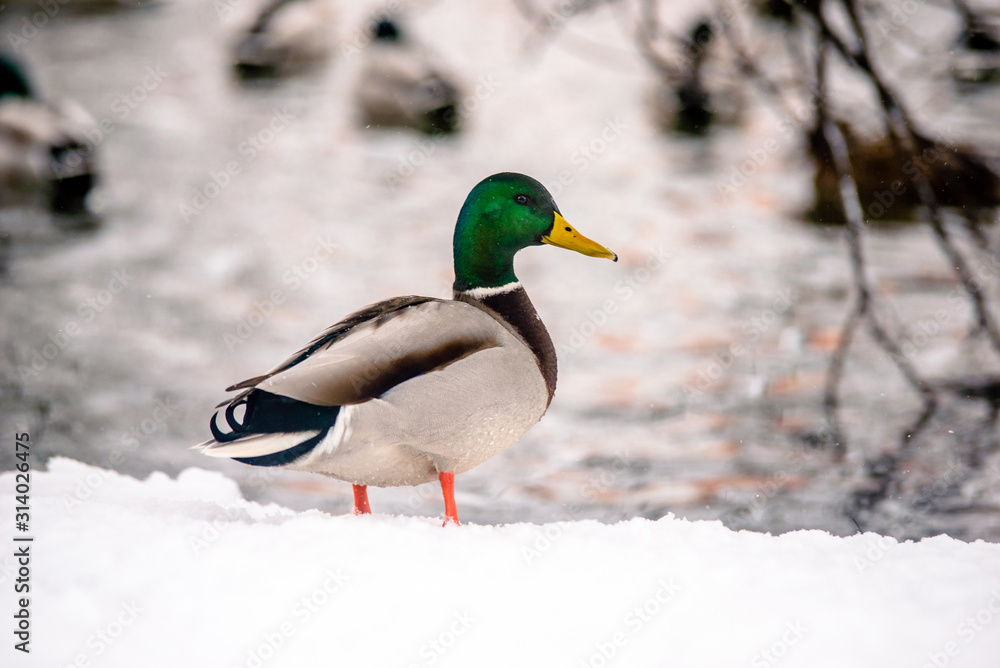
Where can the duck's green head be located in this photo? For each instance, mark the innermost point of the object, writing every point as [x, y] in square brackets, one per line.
[503, 214]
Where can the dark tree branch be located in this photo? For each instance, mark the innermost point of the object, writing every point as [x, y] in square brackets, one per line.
[748, 65]
[646, 33]
[863, 310]
[855, 228]
[903, 134]
[834, 375]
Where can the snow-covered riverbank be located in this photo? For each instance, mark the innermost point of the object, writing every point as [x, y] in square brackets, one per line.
[186, 572]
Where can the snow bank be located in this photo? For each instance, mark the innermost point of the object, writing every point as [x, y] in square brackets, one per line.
[185, 572]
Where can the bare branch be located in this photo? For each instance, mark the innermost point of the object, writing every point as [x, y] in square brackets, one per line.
[904, 136]
[855, 228]
[646, 33]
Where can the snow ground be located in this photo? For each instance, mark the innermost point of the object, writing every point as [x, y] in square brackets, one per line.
[172, 572]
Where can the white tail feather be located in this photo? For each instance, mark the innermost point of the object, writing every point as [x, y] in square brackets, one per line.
[257, 445]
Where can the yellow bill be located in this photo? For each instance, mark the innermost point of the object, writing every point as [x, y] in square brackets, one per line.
[564, 236]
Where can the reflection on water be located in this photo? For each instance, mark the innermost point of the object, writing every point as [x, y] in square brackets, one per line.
[239, 221]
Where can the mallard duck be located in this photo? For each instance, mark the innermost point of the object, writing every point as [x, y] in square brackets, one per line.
[975, 53]
[694, 113]
[783, 12]
[688, 101]
[287, 36]
[45, 156]
[400, 85]
[416, 389]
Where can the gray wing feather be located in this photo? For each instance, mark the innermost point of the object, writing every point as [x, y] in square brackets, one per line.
[334, 333]
[382, 348]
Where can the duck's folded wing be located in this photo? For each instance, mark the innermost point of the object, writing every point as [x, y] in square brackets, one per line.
[384, 350]
[370, 351]
[334, 333]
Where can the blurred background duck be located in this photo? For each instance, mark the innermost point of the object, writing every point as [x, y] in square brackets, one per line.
[287, 37]
[975, 54]
[45, 157]
[694, 94]
[959, 175]
[783, 12]
[401, 85]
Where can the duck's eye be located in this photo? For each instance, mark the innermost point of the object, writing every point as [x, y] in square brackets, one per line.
[521, 199]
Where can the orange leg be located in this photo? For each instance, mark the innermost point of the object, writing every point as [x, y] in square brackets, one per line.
[361, 506]
[448, 489]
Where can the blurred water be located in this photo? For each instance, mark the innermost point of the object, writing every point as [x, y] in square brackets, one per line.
[307, 216]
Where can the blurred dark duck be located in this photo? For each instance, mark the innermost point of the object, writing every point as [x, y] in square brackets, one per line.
[401, 85]
[975, 54]
[959, 176]
[783, 12]
[287, 37]
[690, 102]
[45, 157]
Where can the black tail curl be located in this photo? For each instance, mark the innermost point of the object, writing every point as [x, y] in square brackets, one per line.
[267, 413]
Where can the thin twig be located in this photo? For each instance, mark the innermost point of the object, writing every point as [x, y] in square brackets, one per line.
[834, 375]
[748, 66]
[646, 33]
[548, 25]
[855, 226]
[863, 308]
